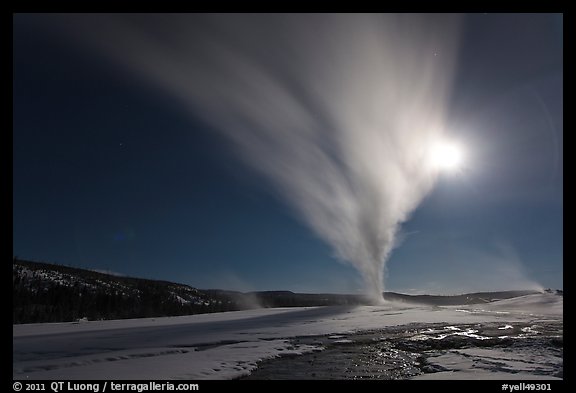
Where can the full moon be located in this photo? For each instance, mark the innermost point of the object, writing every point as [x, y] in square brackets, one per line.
[446, 156]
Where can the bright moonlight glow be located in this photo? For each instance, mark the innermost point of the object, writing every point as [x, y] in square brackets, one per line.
[446, 156]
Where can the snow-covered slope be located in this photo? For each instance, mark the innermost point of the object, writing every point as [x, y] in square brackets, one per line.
[227, 345]
[53, 293]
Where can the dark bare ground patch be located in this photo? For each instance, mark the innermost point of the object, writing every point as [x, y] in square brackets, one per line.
[406, 351]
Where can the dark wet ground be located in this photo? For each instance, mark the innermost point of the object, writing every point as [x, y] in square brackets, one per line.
[410, 350]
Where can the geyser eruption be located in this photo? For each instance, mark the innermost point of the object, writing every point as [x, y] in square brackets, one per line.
[336, 110]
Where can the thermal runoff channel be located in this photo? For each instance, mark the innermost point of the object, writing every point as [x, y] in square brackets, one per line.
[337, 111]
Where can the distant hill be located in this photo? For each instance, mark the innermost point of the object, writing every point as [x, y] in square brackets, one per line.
[44, 292]
[453, 300]
[291, 299]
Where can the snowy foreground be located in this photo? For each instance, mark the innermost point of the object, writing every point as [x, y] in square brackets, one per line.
[229, 345]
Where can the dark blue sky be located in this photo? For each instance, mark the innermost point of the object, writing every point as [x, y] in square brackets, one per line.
[111, 173]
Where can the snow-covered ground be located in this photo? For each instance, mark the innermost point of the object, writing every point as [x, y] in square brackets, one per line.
[229, 345]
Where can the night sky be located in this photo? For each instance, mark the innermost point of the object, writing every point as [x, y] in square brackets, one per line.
[112, 173]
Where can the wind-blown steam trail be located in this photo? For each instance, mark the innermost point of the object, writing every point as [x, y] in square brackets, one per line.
[336, 110]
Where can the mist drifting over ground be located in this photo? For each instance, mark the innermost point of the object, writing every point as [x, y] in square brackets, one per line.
[336, 110]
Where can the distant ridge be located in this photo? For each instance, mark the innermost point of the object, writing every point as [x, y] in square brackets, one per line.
[45, 292]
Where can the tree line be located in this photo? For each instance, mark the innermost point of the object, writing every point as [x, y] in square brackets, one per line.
[54, 293]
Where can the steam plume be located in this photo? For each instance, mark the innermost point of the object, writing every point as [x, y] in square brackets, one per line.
[336, 110]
